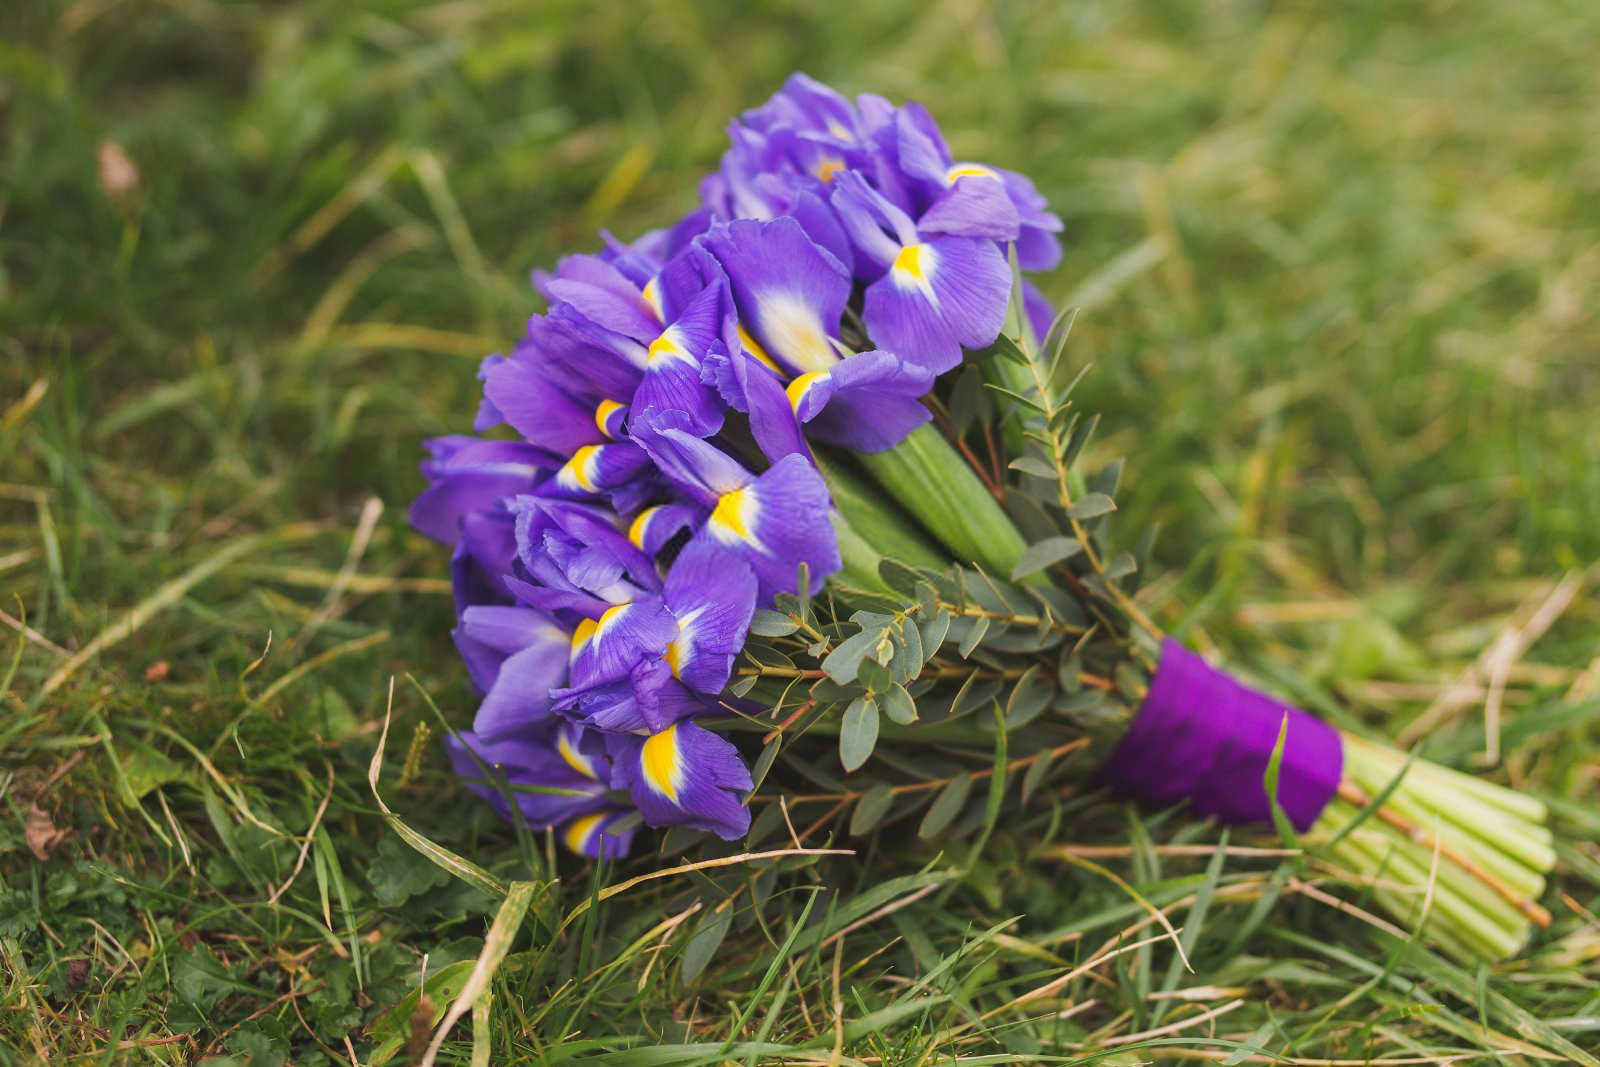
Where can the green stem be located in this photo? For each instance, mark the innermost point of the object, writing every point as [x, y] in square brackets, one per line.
[877, 524]
[928, 478]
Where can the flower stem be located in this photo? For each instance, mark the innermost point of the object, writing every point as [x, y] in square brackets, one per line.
[928, 478]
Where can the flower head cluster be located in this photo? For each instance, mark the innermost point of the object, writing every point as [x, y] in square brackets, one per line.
[661, 486]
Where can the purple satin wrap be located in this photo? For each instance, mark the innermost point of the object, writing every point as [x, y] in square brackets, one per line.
[1201, 736]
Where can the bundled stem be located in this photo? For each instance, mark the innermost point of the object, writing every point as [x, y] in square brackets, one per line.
[1460, 859]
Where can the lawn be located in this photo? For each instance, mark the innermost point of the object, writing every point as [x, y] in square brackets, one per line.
[1338, 271]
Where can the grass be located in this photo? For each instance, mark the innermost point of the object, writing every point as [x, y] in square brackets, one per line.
[1338, 272]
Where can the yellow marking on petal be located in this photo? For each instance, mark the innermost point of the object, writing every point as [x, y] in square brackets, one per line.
[578, 832]
[603, 413]
[734, 517]
[751, 346]
[797, 389]
[827, 168]
[579, 471]
[683, 644]
[909, 262]
[968, 170]
[575, 759]
[640, 525]
[911, 268]
[652, 296]
[609, 618]
[581, 635]
[667, 346]
[661, 764]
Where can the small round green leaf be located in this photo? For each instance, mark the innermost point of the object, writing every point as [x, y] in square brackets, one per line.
[898, 705]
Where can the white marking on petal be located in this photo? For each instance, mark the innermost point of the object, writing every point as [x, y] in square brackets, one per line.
[794, 332]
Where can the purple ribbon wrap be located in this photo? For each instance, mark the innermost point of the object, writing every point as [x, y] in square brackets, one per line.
[1203, 737]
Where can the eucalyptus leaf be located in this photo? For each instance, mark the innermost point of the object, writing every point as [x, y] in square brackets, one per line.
[845, 660]
[898, 705]
[1035, 774]
[705, 941]
[1033, 465]
[763, 763]
[909, 655]
[874, 675]
[858, 732]
[1079, 437]
[899, 577]
[933, 630]
[1120, 566]
[1046, 553]
[772, 624]
[974, 637]
[1031, 695]
[952, 798]
[1091, 505]
[1106, 479]
[871, 809]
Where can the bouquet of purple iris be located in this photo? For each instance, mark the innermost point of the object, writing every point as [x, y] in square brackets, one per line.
[740, 518]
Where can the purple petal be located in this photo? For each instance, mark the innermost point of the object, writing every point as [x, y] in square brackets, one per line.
[776, 522]
[698, 468]
[544, 413]
[519, 699]
[711, 594]
[752, 388]
[919, 145]
[685, 775]
[600, 836]
[604, 295]
[940, 296]
[595, 470]
[590, 362]
[471, 475]
[607, 649]
[975, 206]
[545, 789]
[877, 228]
[867, 403]
[658, 524]
[789, 292]
[509, 629]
